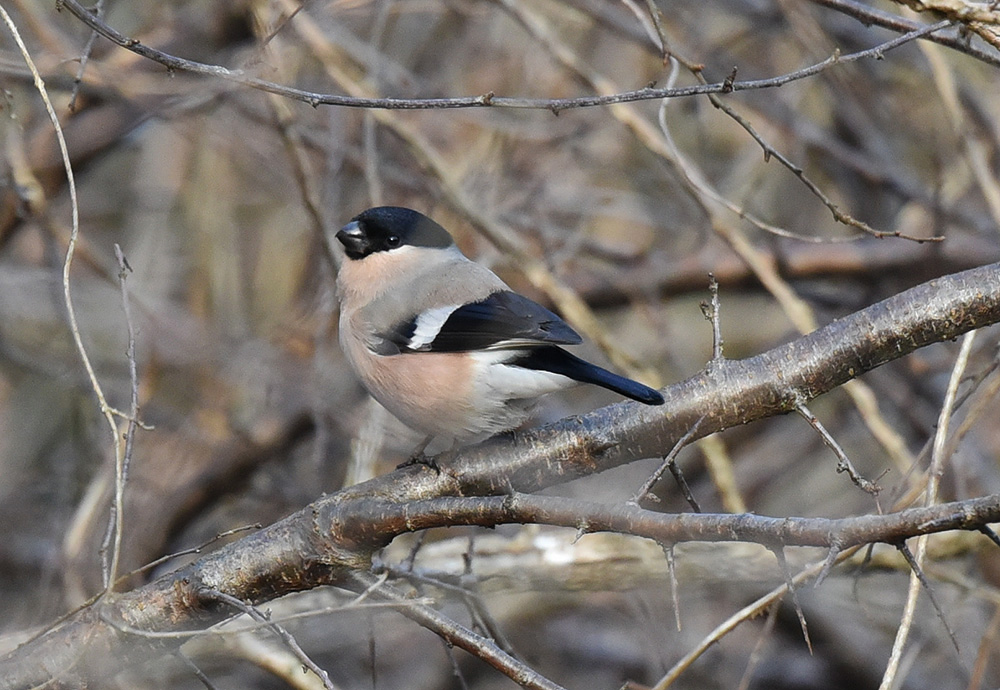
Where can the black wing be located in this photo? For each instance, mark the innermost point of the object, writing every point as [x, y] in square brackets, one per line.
[504, 319]
[558, 361]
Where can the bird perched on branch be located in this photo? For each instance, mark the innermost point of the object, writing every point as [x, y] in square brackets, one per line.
[440, 341]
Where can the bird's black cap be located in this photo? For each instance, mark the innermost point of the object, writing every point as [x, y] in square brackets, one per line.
[385, 228]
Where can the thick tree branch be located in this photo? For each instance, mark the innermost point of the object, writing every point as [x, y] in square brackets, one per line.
[336, 536]
[670, 528]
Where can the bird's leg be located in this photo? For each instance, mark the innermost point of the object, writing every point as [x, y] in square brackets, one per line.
[417, 457]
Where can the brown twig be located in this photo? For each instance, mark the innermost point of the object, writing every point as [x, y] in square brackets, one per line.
[844, 463]
[670, 462]
[85, 57]
[872, 16]
[460, 636]
[259, 616]
[315, 99]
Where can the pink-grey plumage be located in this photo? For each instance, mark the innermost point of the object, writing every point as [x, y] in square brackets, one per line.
[440, 341]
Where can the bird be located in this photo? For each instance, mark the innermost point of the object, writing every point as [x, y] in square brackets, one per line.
[441, 341]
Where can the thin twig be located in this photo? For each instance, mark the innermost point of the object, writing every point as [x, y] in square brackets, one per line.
[844, 463]
[477, 611]
[657, 17]
[132, 420]
[985, 652]
[302, 168]
[412, 556]
[188, 551]
[455, 634]
[977, 157]
[746, 613]
[937, 463]
[839, 214]
[990, 534]
[198, 673]
[106, 409]
[757, 654]
[670, 462]
[369, 131]
[668, 551]
[872, 16]
[259, 616]
[372, 650]
[682, 484]
[779, 554]
[220, 628]
[555, 105]
[831, 559]
[652, 23]
[917, 570]
[712, 312]
[456, 669]
[98, 11]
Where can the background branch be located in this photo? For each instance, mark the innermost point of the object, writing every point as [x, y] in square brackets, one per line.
[488, 100]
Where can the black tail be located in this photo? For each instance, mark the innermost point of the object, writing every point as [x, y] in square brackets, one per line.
[558, 361]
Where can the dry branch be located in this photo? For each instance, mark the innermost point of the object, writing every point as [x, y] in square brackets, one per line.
[335, 537]
[175, 63]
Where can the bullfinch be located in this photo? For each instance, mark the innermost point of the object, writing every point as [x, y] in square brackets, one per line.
[440, 341]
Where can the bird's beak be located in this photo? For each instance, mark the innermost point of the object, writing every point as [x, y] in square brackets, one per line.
[354, 240]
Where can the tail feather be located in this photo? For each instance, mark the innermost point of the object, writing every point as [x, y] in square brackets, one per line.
[559, 361]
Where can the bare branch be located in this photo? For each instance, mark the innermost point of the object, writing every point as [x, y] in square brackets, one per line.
[779, 554]
[259, 616]
[315, 99]
[872, 16]
[712, 312]
[670, 462]
[459, 636]
[329, 541]
[844, 463]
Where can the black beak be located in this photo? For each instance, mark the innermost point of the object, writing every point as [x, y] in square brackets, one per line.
[355, 241]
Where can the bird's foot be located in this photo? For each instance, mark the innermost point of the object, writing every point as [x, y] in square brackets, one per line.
[419, 458]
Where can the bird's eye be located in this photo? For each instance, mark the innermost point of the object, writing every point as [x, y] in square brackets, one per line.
[392, 240]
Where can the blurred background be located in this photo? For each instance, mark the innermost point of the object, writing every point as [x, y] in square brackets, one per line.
[220, 197]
